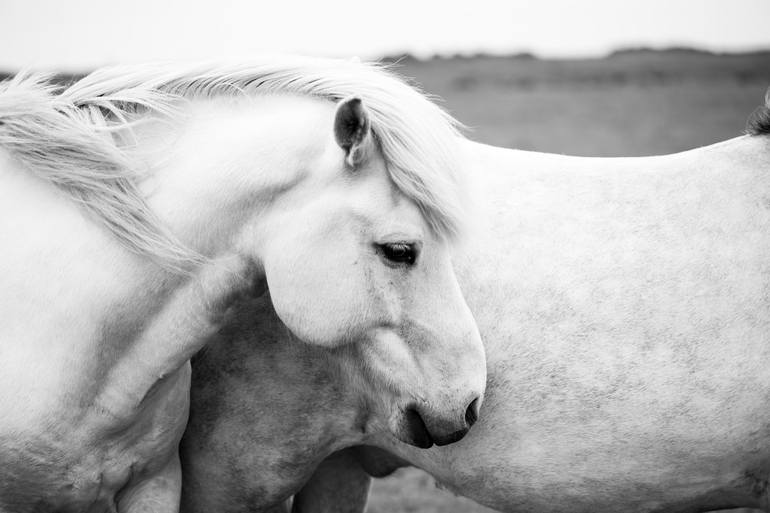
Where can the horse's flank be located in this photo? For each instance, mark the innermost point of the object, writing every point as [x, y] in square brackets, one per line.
[80, 139]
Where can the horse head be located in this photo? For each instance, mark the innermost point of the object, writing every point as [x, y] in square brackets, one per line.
[356, 265]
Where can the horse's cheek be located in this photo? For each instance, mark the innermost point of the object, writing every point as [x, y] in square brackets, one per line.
[321, 298]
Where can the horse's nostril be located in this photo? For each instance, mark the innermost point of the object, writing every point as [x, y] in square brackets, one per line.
[472, 413]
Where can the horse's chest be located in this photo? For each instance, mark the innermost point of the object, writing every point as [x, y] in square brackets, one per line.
[83, 466]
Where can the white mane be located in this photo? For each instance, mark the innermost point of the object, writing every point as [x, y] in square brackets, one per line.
[73, 138]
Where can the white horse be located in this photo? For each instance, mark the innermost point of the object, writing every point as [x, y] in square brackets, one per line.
[139, 203]
[625, 311]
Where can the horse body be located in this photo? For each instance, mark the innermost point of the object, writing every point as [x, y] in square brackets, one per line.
[623, 304]
[262, 189]
[625, 312]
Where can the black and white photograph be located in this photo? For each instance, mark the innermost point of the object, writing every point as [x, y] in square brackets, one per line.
[502, 256]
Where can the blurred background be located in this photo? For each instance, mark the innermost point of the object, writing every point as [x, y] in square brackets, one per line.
[599, 78]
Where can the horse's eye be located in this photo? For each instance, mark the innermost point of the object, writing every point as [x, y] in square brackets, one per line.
[401, 253]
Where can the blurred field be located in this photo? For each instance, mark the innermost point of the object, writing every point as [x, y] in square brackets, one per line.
[629, 104]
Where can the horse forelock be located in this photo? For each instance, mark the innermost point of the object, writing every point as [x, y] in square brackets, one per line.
[74, 138]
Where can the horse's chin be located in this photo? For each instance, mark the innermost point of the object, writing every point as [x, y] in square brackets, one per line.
[412, 430]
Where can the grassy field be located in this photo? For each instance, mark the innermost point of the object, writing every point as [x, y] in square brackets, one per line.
[410, 490]
[630, 104]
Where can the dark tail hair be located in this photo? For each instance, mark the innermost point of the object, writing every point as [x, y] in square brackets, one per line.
[759, 120]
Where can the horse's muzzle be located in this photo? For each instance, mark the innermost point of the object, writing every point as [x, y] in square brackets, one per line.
[426, 427]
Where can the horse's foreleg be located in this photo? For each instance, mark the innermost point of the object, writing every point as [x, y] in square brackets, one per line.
[339, 485]
[158, 493]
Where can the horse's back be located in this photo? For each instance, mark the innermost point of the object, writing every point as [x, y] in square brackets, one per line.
[624, 307]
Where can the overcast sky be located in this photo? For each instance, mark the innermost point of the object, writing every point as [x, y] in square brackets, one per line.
[77, 34]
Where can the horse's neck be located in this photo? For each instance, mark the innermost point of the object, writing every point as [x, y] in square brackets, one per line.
[67, 288]
[72, 293]
[58, 254]
[226, 160]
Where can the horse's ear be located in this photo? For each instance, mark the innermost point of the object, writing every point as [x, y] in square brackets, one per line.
[351, 130]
